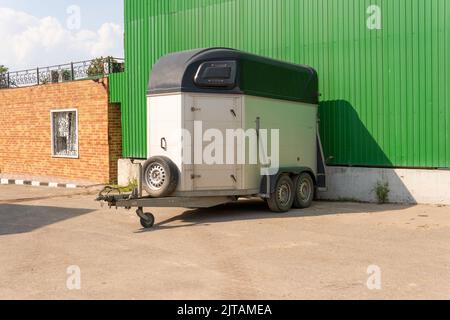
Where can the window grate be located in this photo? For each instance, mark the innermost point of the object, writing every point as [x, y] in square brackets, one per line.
[65, 133]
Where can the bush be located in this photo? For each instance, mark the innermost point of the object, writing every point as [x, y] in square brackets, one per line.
[101, 66]
[117, 67]
[66, 75]
[382, 191]
[96, 68]
[3, 81]
[3, 77]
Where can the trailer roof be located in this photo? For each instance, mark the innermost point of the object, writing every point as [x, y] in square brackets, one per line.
[222, 70]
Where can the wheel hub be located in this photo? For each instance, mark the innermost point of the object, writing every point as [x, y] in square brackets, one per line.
[304, 190]
[284, 194]
[156, 176]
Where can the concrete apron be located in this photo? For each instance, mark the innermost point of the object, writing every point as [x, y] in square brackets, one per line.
[406, 186]
[128, 171]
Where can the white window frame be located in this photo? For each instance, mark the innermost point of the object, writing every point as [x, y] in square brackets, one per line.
[52, 112]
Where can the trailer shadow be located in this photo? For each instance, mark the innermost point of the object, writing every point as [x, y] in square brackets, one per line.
[257, 210]
[352, 140]
[18, 219]
[348, 142]
[347, 139]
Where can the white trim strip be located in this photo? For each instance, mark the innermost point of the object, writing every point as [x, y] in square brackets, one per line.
[4, 181]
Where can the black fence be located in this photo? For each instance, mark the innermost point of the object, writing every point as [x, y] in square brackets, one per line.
[62, 73]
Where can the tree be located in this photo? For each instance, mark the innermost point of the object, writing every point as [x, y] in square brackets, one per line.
[3, 77]
[101, 66]
[97, 67]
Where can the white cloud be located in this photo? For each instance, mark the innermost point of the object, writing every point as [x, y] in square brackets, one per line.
[27, 41]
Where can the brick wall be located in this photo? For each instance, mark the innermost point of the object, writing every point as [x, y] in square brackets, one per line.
[25, 137]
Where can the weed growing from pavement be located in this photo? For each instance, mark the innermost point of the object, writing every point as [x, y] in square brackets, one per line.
[382, 191]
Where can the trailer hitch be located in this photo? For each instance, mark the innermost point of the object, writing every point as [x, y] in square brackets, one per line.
[112, 195]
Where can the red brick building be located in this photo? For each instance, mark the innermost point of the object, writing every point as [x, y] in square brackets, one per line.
[60, 132]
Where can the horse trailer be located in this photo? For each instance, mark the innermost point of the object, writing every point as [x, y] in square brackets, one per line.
[225, 124]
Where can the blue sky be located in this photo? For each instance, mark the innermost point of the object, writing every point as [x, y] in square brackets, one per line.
[39, 33]
[94, 12]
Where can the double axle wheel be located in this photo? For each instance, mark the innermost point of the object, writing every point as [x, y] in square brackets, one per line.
[160, 177]
[289, 193]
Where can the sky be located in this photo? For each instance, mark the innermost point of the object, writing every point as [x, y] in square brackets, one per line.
[39, 33]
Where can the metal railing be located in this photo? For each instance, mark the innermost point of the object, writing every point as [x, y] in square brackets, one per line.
[73, 71]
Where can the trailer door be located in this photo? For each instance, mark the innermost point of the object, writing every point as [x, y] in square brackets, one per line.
[214, 114]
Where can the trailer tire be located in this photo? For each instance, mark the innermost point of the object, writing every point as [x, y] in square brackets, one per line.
[304, 191]
[149, 222]
[160, 177]
[282, 199]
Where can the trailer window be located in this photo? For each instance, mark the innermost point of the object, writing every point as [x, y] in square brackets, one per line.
[221, 72]
[65, 133]
[217, 74]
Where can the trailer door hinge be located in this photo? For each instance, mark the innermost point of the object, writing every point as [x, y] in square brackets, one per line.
[194, 109]
[195, 176]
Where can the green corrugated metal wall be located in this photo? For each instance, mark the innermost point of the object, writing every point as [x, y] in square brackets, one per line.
[385, 99]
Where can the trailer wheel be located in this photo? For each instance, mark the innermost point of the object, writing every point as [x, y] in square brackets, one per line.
[149, 221]
[283, 197]
[160, 177]
[304, 191]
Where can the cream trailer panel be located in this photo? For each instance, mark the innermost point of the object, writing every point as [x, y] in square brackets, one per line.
[296, 124]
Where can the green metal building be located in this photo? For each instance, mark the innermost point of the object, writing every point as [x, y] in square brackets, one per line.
[383, 67]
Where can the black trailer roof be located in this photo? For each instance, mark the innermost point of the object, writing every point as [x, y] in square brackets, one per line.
[222, 70]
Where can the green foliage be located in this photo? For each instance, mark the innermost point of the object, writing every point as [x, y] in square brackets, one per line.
[66, 75]
[101, 66]
[3, 77]
[382, 191]
[56, 76]
[96, 68]
[132, 184]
